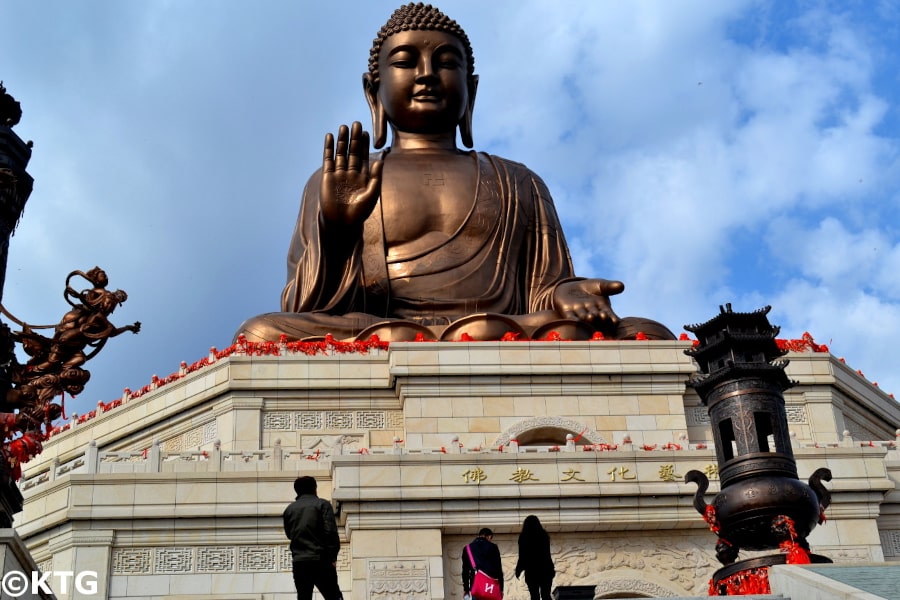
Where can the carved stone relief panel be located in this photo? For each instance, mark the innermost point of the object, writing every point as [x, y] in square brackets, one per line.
[174, 560]
[890, 543]
[127, 561]
[213, 559]
[796, 414]
[398, 579]
[191, 439]
[256, 558]
[202, 559]
[315, 420]
[278, 421]
[861, 432]
[643, 565]
[696, 416]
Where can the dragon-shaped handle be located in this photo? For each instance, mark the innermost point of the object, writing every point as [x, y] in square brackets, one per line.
[702, 482]
[815, 482]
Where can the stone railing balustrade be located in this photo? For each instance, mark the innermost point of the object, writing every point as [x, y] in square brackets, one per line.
[848, 441]
[156, 460]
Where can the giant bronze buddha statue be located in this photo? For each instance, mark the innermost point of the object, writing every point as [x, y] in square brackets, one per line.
[425, 239]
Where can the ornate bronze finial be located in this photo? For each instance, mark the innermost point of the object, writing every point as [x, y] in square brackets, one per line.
[10, 109]
[55, 365]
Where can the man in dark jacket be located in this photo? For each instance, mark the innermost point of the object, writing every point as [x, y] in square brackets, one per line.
[487, 559]
[310, 525]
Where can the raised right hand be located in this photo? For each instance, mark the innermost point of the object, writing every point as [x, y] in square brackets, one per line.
[350, 186]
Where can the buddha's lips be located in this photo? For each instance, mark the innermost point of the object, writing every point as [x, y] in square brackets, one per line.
[427, 96]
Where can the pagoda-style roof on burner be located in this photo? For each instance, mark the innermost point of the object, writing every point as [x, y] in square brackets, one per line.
[734, 323]
[737, 345]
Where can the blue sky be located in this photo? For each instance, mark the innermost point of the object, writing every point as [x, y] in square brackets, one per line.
[701, 152]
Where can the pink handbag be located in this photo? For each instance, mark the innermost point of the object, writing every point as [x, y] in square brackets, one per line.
[484, 587]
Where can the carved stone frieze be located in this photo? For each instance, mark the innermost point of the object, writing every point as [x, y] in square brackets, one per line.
[619, 565]
[277, 421]
[890, 542]
[126, 561]
[846, 555]
[256, 558]
[390, 579]
[394, 419]
[696, 416]
[215, 559]
[191, 439]
[860, 432]
[174, 560]
[370, 419]
[331, 420]
[612, 588]
[339, 419]
[205, 559]
[796, 414]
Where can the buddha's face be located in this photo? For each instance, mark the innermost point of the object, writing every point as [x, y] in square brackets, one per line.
[423, 86]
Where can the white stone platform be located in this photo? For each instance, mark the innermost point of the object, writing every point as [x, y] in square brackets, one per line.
[180, 491]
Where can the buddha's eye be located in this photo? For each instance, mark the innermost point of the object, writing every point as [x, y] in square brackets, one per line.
[447, 60]
[403, 60]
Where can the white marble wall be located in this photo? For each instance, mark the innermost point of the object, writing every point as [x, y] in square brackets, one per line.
[180, 491]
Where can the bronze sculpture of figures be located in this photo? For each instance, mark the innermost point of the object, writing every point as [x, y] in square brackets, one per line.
[425, 239]
[56, 363]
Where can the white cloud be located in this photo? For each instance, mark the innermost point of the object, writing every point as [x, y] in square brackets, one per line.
[702, 152]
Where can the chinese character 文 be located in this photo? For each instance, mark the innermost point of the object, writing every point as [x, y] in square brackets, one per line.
[571, 475]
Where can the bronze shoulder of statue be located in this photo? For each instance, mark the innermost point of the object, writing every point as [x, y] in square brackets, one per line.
[407, 246]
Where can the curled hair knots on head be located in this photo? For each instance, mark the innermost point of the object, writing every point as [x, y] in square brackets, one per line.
[419, 16]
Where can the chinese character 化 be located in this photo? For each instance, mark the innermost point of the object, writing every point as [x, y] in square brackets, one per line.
[621, 472]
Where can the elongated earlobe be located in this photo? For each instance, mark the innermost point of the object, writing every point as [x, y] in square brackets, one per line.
[379, 120]
[465, 125]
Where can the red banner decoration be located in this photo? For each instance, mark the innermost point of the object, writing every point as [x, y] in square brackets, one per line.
[742, 583]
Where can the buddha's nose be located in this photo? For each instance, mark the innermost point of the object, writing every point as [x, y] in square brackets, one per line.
[424, 69]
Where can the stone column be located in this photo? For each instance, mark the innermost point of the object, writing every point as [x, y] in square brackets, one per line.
[82, 552]
[390, 563]
[247, 424]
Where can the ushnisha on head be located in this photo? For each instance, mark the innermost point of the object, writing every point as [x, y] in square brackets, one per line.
[381, 88]
[418, 16]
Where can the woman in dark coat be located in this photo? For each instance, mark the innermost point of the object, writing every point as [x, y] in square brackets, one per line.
[534, 559]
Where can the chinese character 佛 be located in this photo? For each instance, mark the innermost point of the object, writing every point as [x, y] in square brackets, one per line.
[476, 475]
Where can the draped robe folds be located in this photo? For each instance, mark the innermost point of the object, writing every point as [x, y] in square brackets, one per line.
[506, 257]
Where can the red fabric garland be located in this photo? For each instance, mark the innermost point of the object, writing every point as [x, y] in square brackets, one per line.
[742, 583]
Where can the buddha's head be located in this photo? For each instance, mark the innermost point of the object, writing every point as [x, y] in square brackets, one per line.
[421, 75]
